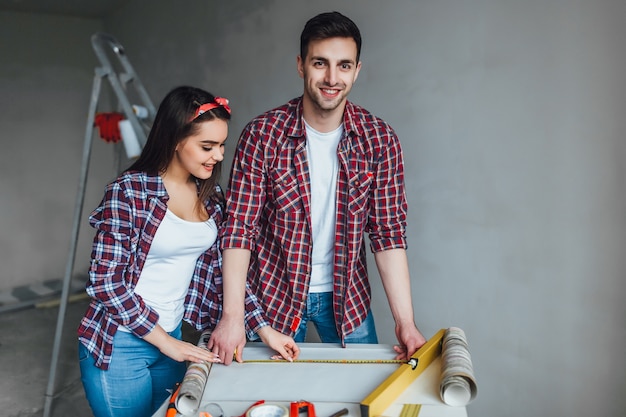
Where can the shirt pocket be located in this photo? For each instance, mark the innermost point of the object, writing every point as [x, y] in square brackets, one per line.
[104, 266]
[103, 274]
[360, 184]
[285, 191]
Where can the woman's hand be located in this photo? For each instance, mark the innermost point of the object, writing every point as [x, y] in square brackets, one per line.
[283, 344]
[185, 351]
[179, 350]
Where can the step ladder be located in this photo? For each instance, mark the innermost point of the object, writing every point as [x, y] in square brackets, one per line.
[121, 77]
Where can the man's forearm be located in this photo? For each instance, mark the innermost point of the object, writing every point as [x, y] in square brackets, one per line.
[393, 268]
[234, 271]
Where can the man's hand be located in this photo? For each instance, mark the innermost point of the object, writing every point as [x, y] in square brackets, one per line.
[228, 340]
[410, 340]
[283, 344]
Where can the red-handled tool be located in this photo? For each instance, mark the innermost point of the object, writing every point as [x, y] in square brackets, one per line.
[298, 406]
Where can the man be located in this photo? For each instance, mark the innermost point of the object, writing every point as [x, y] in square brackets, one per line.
[309, 180]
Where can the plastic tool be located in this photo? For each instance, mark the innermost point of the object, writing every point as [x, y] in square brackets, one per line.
[298, 406]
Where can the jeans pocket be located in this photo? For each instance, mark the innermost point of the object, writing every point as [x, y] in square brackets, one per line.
[83, 353]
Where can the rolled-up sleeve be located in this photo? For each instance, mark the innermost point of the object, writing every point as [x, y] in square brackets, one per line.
[246, 194]
[388, 206]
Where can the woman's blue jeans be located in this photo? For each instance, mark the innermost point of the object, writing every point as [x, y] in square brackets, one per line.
[136, 383]
[319, 311]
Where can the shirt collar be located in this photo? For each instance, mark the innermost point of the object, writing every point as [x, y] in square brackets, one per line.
[351, 121]
[294, 124]
[155, 186]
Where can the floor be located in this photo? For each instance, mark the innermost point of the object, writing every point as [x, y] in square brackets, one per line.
[26, 343]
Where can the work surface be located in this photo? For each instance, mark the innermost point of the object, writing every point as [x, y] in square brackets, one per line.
[329, 386]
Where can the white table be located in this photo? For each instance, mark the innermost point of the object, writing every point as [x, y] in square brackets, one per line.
[329, 386]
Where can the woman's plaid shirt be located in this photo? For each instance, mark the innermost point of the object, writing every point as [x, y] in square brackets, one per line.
[126, 221]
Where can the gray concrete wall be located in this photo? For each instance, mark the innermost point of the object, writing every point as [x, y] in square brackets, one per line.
[511, 118]
[46, 72]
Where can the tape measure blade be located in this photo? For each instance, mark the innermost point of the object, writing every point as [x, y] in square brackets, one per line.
[335, 361]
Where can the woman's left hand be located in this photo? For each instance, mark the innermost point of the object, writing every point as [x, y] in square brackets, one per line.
[177, 349]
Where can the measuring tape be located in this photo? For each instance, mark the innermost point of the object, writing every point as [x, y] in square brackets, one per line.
[339, 361]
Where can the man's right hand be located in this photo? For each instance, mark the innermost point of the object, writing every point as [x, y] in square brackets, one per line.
[283, 344]
[228, 340]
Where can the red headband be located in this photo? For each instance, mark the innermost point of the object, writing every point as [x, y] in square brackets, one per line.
[217, 102]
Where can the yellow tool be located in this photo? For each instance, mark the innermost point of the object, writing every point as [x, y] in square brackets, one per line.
[385, 394]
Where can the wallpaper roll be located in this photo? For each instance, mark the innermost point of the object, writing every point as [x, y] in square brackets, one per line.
[194, 381]
[458, 384]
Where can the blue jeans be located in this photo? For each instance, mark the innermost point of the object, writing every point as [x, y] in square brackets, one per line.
[319, 311]
[136, 383]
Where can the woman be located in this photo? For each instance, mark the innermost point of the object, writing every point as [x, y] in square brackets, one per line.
[155, 260]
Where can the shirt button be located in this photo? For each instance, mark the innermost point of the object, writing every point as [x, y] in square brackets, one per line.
[357, 183]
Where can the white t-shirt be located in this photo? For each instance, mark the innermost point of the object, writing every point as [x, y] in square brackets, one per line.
[169, 266]
[323, 167]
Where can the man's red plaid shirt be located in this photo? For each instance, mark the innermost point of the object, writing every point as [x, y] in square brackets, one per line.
[268, 211]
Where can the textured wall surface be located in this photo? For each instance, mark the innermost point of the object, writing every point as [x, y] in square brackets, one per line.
[511, 119]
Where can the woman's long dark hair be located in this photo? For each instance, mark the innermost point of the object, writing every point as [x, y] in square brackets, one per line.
[173, 123]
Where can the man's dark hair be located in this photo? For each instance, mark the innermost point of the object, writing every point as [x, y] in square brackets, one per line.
[329, 25]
